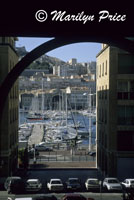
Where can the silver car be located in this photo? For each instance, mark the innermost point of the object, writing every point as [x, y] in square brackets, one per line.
[112, 184]
[92, 184]
[128, 183]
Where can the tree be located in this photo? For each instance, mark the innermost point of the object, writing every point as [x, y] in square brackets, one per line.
[23, 158]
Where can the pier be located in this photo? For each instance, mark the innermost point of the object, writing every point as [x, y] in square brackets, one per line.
[36, 134]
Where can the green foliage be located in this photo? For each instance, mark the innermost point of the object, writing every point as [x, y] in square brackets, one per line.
[38, 65]
[23, 158]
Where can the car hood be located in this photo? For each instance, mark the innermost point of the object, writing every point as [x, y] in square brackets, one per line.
[115, 184]
[60, 184]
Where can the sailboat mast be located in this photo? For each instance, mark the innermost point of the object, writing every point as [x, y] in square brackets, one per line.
[42, 107]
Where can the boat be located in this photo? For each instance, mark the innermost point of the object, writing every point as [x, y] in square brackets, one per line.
[35, 117]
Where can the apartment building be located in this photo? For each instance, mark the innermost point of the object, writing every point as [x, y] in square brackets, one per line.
[115, 112]
[9, 122]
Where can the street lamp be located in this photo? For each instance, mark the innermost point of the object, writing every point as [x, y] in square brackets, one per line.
[90, 119]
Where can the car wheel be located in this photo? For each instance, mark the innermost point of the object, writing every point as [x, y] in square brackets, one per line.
[8, 191]
[105, 188]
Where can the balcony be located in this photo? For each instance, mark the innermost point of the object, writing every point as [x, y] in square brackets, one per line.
[125, 95]
[126, 121]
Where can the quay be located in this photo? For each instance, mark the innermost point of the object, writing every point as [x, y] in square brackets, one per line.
[36, 134]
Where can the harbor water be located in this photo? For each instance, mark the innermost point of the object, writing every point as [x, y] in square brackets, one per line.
[77, 117]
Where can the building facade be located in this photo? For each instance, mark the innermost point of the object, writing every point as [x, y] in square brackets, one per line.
[9, 123]
[55, 99]
[115, 112]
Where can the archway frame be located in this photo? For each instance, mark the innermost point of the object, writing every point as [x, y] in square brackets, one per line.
[57, 42]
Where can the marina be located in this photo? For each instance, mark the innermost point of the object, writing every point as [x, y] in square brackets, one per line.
[58, 130]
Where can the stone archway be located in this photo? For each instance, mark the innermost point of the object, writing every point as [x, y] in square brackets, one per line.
[51, 45]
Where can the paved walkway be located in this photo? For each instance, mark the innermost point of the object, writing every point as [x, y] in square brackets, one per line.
[36, 135]
[88, 164]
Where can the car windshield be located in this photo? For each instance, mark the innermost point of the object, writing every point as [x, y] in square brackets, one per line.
[95, 182]
[33, 182]
[132, 182]
[56, 182]
[113, 181]
[74, 181]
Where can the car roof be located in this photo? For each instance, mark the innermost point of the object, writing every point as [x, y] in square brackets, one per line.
[14, 177]
[23, 198]
[73, 178]
[55, 179]
[32, 180]
[129, 179]
[111, 178]
[92, 179]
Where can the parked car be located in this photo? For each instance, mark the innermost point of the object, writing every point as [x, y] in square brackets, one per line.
[33, 185]
[112, 184]
[9, 179]
[92, 153]
[19, 198]
[92, 184]
[44, 197]
[55, 185]
[36, 197]
[75, 197]
[128, 183]
[16, 186]
[41, 147]
[73, 184]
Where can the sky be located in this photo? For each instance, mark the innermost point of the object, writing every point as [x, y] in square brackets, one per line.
[83, 52]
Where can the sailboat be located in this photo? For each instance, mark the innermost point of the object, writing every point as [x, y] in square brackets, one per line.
[34, 111]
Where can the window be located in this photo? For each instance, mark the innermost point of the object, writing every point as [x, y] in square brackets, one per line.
[125, 90]
[122, 89]
[126, 115]
[122, 86]
[97, 71]
[125, 141]
[106, 92]
[105, 116]
[102, 92]
[100, 71]
[102, 115]
[103, 69]
[125, 64]
[106, 68]
[131, 89]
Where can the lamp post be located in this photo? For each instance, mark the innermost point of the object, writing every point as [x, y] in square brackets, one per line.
[90, 121]
[90, 118]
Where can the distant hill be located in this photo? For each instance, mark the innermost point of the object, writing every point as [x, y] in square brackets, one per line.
[44, 62]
